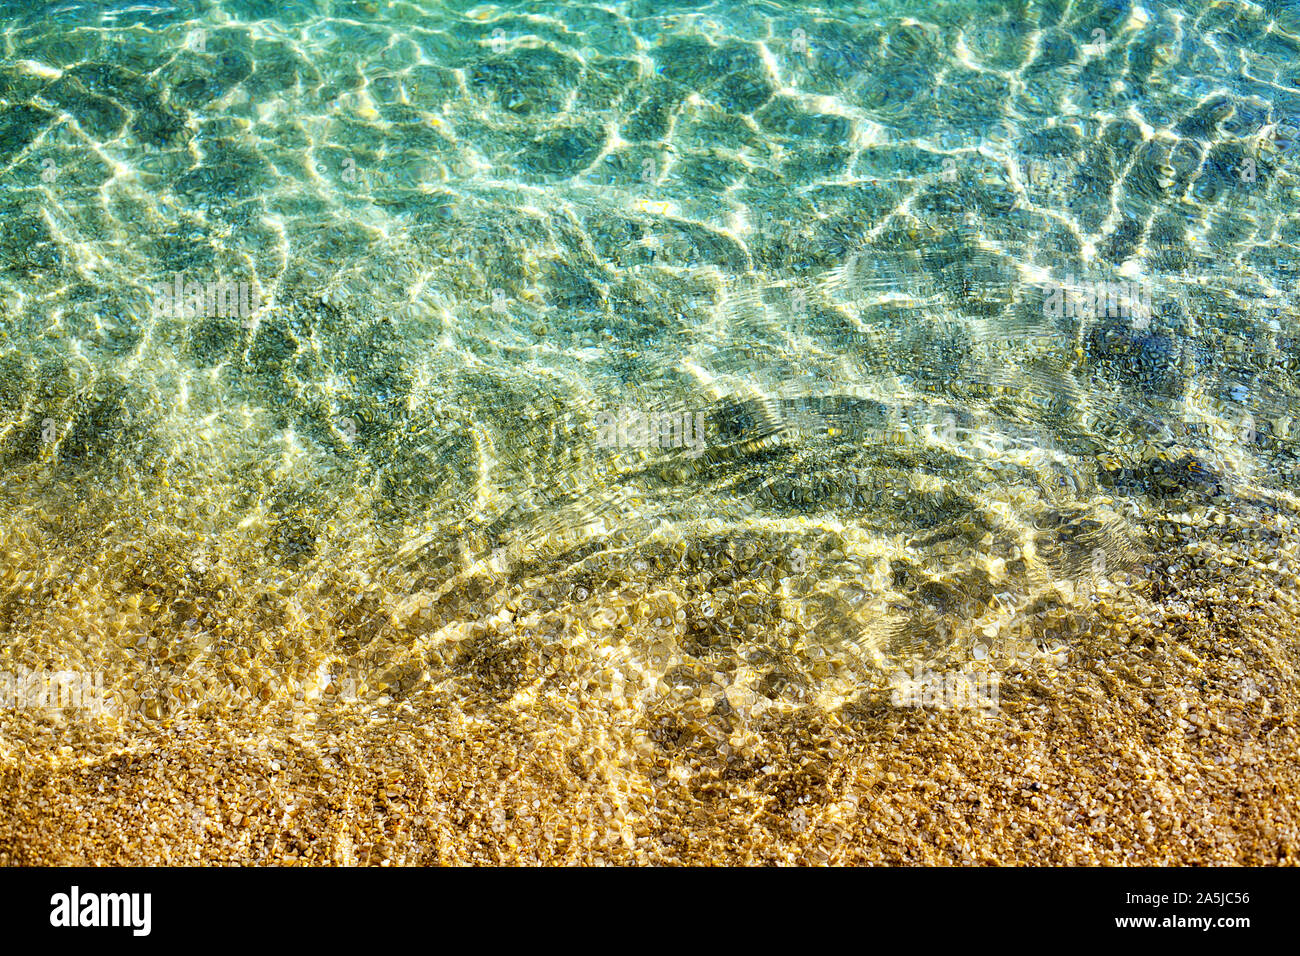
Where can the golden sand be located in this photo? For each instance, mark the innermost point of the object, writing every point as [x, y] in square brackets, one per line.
[1143, 748]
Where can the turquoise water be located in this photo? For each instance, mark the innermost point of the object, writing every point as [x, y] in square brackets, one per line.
[763, 353]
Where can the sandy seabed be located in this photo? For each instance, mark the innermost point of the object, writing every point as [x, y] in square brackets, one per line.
[1168, 737]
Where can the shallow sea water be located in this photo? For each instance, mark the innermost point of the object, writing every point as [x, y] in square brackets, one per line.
[693, 362]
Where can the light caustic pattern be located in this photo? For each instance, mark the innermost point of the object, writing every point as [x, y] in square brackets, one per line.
[686, 366]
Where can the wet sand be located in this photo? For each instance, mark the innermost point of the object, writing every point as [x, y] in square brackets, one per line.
[1165, 739]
